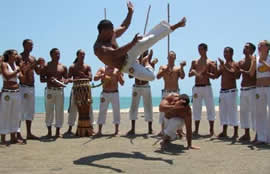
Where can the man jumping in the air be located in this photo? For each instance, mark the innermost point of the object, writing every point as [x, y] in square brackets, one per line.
[124, 58]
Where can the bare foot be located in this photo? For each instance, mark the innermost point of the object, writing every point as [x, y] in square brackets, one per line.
[98, 134]
[257, 143]
[180, 133]
[244, 138]
[131, 132]
[235, 136]
[48, 136]
[194, 147]
[222, 135]
[17, 141]
[163, 144]
[160, 134]
[32, 137]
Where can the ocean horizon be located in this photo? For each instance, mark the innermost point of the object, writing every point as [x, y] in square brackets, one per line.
[125, 103]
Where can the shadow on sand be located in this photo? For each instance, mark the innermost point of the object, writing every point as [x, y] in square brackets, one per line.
[133, 137]
[89, 160]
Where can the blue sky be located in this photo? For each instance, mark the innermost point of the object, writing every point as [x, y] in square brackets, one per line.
[70, 25]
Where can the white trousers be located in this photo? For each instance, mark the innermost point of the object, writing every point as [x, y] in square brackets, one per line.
[27, 102]
[54, 105]
[165, 93]
[200, 94]
[262, 114]
[105, 100]
[143, 91]
[140, 72]
[248, 108]
[73, 111]
[172, 125]
[10, 112]
[228, 108]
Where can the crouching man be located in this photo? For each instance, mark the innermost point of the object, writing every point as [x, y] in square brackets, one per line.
[177, 114]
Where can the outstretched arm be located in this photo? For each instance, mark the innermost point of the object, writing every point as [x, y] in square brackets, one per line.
[124, 26]
[188, 123]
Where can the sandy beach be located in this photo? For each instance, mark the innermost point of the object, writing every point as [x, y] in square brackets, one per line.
[134, 154]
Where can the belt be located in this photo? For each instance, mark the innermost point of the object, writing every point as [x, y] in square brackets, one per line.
[115, 91]
[247, 88]
[202, 85]
[142, 86]
[228, 90]
[28, 86]
[10, 90]
[169, 91]
[55, 88]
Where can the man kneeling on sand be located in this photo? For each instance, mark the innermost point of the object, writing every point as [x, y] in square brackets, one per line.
[177, 114]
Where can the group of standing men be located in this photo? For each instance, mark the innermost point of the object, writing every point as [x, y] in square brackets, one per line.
[134, 60]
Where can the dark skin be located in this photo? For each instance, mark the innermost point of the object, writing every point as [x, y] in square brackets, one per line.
[30, 65]
[229, 73]
[171, 75]
[175, 106]
[143, 60]
[106, 47]
[203, 69]
[51, 71]
[13, 86]
[247, 80]
[79, 70]
[111, 77]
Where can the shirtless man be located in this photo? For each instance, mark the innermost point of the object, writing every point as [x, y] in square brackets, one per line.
[111, 77]
[171, 75]
[229, 73]
[248, 93]
[203, 69]
[177, 114]
[78, 70]
[142, 89]
[124, 58]
[55, 75]
[27, 86]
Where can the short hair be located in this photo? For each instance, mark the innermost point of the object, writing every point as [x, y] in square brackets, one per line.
[172, 52]
[229, 48]
[253, 47]
[204, 46]
[186, 98]
[7, 53]
[53, 50]
[104, 24]
[26, 40]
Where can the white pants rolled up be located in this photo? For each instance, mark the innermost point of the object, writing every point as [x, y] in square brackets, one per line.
[200, 94]
[248, 108]
[54, 105]
[165, 93]
[157, 33]
[105, 100]
[262, 114]
[27, 102]
[10, 115]
[228, 108]
[143, 91]
[73, 111]
[172, 125]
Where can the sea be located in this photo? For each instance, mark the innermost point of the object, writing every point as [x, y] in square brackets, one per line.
[125, 103]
